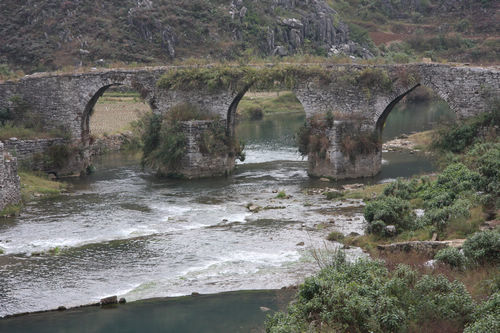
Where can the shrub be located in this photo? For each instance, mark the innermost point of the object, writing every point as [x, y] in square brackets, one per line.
[374, 78]
[163, 143]
[365, 297]
[5, 115]
[335, 236]
[377, 227]
[485, 157]
[391, 211]
[311, 138]
[169, 150]
[302, 138]
[486, 316]
[281, 195]
[436, 298]
[402, 189]
[333, 195]
[59, 155]
[483, 247]
[357, 143]
[255, 113]
[451, 256]
[462, 135]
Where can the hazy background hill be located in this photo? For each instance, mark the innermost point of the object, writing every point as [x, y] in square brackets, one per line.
[37, 35]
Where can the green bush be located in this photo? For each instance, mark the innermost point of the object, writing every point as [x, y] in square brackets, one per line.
[365, 297]
[335, 236]
[163, 144]
[451, 256]
[5, 115]
[391, 211]
[486, 316]
[377, 227]
[485, 157]
[281, 195]
[455, 180]
[483, 247]
[59, 155]
[462, 135]
[374, 78]
[402, 189]
[437, 298]
[310, 138]
[331, 195]
[255, 113]
[302, 138]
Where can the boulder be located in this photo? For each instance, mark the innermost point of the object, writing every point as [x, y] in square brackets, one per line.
[390, 230]
[109, 300]
[253, 208]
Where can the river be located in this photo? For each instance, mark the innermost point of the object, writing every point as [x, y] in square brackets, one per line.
[122, 231]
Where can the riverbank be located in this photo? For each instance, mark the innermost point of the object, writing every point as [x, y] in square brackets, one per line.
[435, 240]
[34, 186]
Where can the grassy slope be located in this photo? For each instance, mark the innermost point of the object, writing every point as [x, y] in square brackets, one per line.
[34, 186]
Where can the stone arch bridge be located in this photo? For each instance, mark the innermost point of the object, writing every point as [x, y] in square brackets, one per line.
[360, 97]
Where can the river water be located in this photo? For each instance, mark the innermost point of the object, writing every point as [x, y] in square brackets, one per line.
[122, 231]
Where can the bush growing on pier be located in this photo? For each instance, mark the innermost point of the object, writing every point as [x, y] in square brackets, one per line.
[214, 140]
[359, 143]
[312, 137]
[163, 143]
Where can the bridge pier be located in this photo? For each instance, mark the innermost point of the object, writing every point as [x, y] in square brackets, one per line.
[343, 150]
[207, 151]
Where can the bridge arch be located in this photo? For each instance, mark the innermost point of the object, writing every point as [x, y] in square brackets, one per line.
[432, 107]
[95, 95]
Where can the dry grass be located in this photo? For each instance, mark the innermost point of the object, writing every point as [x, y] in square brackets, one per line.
[365, 193]
[114, 114]
[422, 140]
[479, 280]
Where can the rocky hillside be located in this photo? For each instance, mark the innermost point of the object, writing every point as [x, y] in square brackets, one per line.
[49, 34]
[443, 30]
[37, 35]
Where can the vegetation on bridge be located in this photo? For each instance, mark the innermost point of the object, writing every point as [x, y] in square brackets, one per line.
[238, 78]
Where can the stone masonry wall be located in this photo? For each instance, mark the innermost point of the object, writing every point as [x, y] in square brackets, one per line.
[10, 187]
[197, 165]
[338, 164]
[25, 150]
